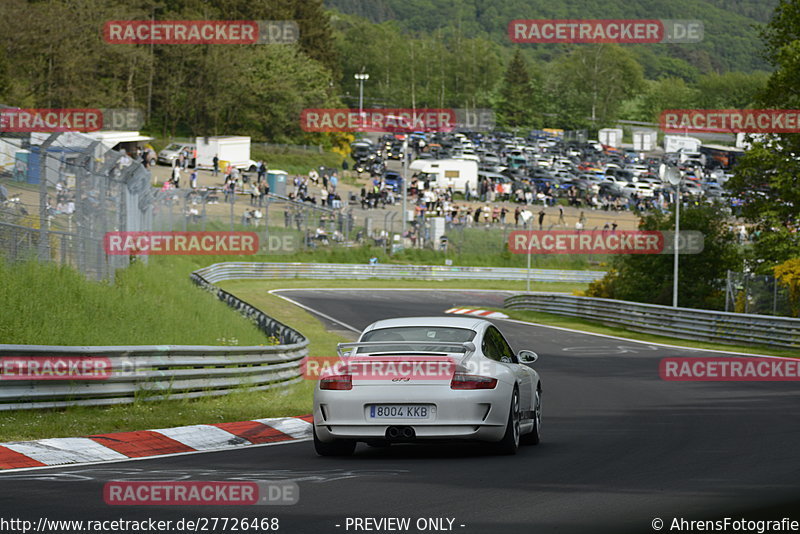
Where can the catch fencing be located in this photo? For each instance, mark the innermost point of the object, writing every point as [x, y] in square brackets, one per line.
[61, 193]
[684, 323]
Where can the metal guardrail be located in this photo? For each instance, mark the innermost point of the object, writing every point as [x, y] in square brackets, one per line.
[684, 323]
[354, 271]
[162, 372]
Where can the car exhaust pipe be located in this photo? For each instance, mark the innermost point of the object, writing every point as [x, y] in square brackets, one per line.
[393, 432]
[408, 432]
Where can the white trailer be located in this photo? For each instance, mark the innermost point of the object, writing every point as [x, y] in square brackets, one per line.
[644, 140]
[234, 150]
[679, 143]
[443, 172]
[610, 137]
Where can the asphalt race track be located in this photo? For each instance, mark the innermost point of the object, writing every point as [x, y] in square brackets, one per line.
[620, 448]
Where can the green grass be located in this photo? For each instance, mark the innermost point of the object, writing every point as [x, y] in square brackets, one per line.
[241, 405]
[597, 327]
[146, 305]
[296, 160]
[83, 421]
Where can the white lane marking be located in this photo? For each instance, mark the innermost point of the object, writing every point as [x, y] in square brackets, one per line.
[517, 321]
[428, 289]
[297, 428]
[60, 451]
[608, 336]
[83, 464]
[312, 310]
[203, 437]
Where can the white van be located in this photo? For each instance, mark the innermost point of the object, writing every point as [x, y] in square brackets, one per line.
[439, 172]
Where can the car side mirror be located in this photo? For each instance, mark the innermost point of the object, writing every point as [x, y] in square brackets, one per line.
[527, 356]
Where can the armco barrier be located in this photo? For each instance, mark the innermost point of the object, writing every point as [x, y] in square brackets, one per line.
[354, 271]
[685, 323]
[158, 372]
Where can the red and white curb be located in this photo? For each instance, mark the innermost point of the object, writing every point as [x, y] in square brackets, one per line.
[480, 313]
[144, 443]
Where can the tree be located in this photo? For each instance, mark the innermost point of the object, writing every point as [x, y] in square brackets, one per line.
[768, 176]
[669, 93]
[515, 93]
[788, 274]
[600, 77]
[649, 277]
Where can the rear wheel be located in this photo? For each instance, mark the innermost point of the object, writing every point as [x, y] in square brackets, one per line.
[510, 442]
[340, 447]
[534, 437]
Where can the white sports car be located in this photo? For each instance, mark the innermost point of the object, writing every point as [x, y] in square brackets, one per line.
[428, 378]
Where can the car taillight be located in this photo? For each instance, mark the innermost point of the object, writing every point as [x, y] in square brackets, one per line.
[462, 381]
[340, 382]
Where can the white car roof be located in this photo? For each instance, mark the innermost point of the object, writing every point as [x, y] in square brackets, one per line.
[472, 323]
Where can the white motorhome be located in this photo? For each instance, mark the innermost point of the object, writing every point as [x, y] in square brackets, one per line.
[442, 172]
[234, 150]
[678, 143]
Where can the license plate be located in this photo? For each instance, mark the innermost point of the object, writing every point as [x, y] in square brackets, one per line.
[400, 411]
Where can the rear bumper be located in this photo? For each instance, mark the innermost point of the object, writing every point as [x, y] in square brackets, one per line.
[469, 415]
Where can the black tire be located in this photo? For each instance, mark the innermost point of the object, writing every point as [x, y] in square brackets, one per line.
[510, 442]
[340, 447]
[535, 435]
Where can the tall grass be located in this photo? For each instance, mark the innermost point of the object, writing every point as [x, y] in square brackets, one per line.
[296, 160]
[146, 305]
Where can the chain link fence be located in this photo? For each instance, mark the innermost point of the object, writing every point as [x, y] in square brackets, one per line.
[756, 294]
[61, 193]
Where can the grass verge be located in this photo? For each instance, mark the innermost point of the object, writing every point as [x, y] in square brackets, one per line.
[597, 327]
[241, 405]
[43, 304]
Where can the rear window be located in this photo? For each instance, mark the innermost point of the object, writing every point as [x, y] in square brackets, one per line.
[432, 334]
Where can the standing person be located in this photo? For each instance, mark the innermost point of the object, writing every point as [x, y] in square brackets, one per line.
[561, 220]
[516, 216]
[334, 182]
[263, 189]
[582, 219]
[541, 218]
[254, 193]
[262, 170]
[215, 172]
[180, 159]
[193, 179]
[176, 175]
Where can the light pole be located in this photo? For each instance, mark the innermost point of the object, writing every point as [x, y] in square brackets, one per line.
[674, 176]
[361, 77]
[404, 189]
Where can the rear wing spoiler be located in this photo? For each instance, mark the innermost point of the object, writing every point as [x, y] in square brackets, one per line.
[345, 350]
